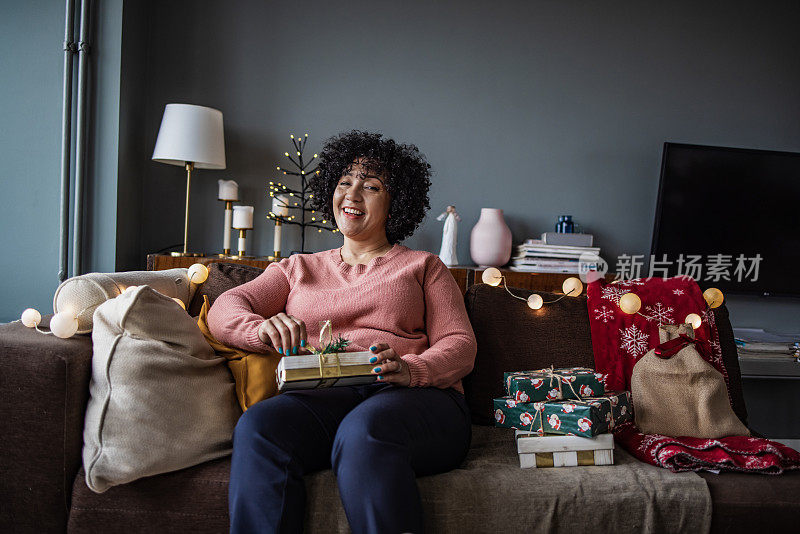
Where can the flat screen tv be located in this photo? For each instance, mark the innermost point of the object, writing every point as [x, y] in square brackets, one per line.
[737, 209]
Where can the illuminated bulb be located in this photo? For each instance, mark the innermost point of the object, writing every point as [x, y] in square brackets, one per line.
[313, 218]
[630, 303]
[278, 167]
[572, 286]
[198, 273]
[306, 135]
[298, 153]
[492, 276]
[315, 155]
[64, 325]
[286, 154]
[714, 297]
[320, 230]
[535, 301]
[31, 318]
[291, 136]
[324, 221]
[694, 320]
[179, 301]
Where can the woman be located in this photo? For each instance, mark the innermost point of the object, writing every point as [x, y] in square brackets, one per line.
[402, 305]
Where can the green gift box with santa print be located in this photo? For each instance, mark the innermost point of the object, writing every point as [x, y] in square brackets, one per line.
[588, 417]
[554, 384]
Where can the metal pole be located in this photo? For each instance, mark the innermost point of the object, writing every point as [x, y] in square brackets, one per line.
[80, 140]
[189, 167]
[66, 140]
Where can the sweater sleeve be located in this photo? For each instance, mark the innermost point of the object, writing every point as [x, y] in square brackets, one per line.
[452, 345]
[236, 315]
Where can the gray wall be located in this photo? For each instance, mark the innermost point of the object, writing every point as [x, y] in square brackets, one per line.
[539, 108]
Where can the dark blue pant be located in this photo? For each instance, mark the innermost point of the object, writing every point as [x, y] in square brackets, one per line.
[378, 439]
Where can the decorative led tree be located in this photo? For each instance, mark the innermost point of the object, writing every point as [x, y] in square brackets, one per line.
[297, 199]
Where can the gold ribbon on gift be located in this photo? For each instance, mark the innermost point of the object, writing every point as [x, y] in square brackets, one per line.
[545, 459]
[552, 375]
[326, 372]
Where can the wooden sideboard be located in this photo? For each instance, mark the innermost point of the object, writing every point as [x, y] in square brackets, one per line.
[465, 276]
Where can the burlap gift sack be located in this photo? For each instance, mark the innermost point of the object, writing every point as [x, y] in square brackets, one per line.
[681, 394]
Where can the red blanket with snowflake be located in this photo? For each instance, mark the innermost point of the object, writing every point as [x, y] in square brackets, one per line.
[620, 339]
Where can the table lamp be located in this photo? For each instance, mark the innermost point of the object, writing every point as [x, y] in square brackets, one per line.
[190, 136]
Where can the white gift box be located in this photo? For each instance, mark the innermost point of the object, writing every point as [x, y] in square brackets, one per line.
[563, 451]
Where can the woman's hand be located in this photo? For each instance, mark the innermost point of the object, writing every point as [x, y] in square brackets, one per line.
[285, 332]
[389, 366]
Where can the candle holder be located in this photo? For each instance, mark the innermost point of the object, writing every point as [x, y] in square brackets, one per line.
[242, 245]
[226, 240]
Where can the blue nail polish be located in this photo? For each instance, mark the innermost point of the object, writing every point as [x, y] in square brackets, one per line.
[280, 350]
[302, 342]
[377, 369]
[294, 350]
[380, 377]
[373, 348]
[373, 359]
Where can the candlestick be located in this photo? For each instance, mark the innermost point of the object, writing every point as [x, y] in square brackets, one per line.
[226, 233]
[242, 243]
[277, 242]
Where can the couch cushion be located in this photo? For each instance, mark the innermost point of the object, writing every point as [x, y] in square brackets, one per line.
[488, 493]
[744, 502]
[513, 337]
[161, 399]
[190, 500]
[221, 277]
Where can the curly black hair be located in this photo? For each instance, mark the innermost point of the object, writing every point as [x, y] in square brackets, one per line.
[406, 168]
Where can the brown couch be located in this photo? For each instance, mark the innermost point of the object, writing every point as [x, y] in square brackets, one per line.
[44, 389]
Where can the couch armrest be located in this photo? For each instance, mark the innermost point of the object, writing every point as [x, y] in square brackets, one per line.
[44, 387]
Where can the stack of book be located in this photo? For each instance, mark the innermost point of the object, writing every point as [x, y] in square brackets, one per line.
[534, 255]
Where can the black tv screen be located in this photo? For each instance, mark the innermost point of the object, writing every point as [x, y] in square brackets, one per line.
[734, 208]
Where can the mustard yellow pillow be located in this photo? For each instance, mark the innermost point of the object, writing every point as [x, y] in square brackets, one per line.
[253, 372]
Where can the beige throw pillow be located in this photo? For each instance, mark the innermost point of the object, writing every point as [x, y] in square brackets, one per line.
[161, 399]
[83, 294]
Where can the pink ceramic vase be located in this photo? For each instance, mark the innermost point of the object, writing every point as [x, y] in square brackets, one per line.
[490, 241]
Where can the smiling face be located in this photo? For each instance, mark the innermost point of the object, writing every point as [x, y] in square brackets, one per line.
[361, 204]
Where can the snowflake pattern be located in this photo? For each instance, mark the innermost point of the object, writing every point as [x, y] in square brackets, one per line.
[631, 282]
[659, 313]
[612, 293]
[677, 292]
[604, 313]
[633, 341]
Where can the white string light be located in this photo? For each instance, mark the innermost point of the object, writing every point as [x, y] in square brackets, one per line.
[493, 277]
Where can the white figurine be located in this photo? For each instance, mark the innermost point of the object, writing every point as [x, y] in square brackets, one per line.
[448, 253]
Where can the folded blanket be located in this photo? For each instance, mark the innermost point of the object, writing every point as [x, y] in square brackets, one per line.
[619, 340]
[734, 453]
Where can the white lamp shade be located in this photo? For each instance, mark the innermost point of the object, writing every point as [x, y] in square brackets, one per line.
[191, 133]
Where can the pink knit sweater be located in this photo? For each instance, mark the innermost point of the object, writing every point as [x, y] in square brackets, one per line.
[407, 299]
